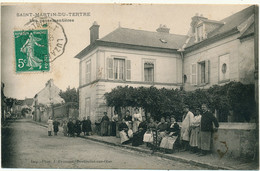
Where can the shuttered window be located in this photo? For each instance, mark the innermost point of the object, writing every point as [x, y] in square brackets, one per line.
[148, 72]
[118, 69]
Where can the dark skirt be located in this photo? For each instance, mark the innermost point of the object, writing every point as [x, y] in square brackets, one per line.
[138, 138]
[113, 131]
[104, 128]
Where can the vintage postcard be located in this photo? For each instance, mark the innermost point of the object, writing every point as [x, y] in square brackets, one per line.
[129, 86]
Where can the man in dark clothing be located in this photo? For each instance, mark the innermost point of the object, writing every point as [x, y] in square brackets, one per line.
[207, 120]
[70, 128]
[56, 127]
[86, 126]
[77, 127]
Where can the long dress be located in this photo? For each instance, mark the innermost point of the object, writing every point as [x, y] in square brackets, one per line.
[77, 127]
[123, 132]
[70, 128]
[185, 126]
[56, 126]
[28, 48]
[139, 135]
[104, 126]
[169, 140]
[50, 125]
[114, 121]
[137, 119]
[195, 132]
[86, 126]
[65, 129]
[148, 136]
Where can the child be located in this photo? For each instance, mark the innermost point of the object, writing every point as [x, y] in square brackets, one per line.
[65, 128]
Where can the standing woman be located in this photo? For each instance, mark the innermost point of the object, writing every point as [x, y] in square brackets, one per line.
[104, 125]
[137, 119]
[195, 132]
[56, 126]
[65, 128]
[114, 122]
[50, 126]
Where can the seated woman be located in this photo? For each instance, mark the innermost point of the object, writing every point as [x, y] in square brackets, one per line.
[128, 119]
[125, 133]
[162, 128]
[171, 136]
[148, 136]
[139, 135]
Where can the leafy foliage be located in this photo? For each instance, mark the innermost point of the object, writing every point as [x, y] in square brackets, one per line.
[71, 95]
[233, 96]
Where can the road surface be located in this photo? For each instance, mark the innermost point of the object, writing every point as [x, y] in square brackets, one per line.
[26, 145]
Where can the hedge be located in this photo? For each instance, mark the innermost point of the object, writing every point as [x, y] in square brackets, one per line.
[233, 97]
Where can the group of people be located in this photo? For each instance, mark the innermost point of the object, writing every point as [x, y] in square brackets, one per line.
[70, 128]
[194, 134]
[197, 129]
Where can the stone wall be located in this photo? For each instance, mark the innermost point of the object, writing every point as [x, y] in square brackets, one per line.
[235, 140]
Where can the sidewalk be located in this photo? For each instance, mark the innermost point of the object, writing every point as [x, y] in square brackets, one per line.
[211, 161]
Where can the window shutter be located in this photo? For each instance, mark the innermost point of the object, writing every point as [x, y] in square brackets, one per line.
[89, 71]
[198, 77]
[110, 68]
[128, 69]
[207, 68]
[193, 74]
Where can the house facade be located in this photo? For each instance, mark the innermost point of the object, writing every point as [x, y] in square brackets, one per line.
[44, 101]
[218, 52]
[214, 52]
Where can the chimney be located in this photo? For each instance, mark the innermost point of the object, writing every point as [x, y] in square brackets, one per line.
[94, 32]
[163, 29]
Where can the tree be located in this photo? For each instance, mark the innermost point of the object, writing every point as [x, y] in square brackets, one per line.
[71, 96]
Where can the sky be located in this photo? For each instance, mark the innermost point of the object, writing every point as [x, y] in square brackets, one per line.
[65, 70]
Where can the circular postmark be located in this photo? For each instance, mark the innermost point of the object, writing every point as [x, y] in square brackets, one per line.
[57, 38]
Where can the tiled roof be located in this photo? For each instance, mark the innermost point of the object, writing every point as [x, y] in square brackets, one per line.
[230, 23]
[145, 38]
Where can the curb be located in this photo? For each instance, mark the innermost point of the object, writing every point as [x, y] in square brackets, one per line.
[176, 158]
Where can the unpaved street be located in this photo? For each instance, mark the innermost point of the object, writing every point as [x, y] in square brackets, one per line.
[26, 145]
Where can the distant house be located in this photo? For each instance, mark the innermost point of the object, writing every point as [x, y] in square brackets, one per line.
[28, 104]
[214, 52]
[49, 94]
[44, 101]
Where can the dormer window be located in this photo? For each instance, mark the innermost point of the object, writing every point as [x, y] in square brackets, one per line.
[199, 33]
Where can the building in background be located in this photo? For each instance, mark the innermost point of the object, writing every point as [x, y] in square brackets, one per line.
[218, 52]
[45, 99]
[213, 52]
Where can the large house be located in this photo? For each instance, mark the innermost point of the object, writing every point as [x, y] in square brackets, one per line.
[213, 52]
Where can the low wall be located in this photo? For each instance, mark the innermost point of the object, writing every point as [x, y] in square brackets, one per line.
[237, 140]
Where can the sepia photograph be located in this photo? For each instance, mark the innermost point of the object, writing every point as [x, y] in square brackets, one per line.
[158, 86]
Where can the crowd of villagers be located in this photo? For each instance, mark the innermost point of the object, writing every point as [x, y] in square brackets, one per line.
[194, 134]
[71, 128]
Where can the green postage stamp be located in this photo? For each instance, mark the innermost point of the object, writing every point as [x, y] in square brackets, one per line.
[31, 50]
